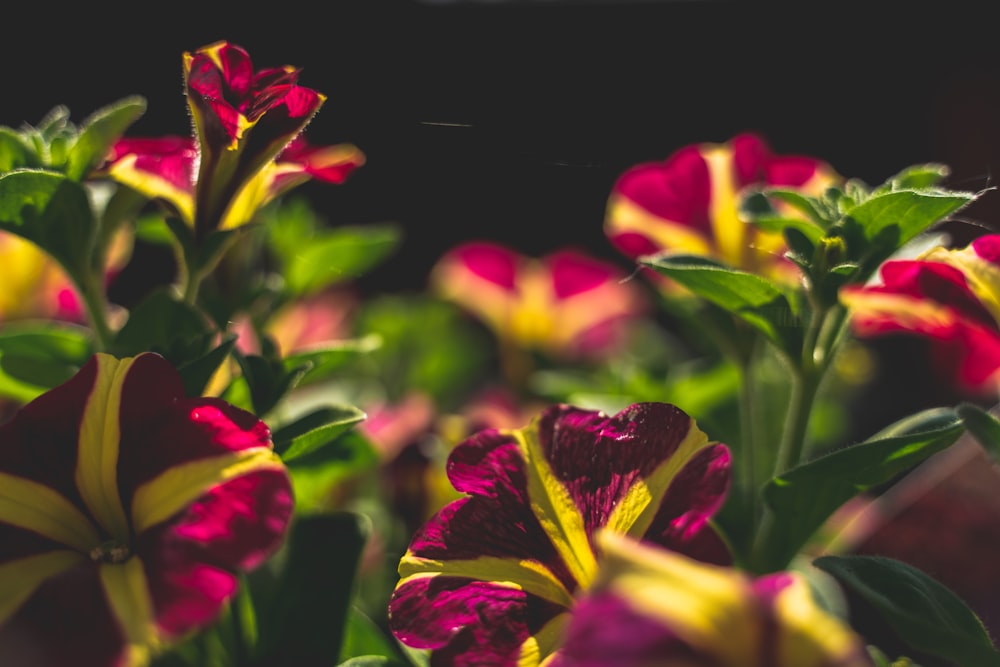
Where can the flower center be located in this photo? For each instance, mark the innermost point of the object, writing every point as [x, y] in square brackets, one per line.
[112, 551]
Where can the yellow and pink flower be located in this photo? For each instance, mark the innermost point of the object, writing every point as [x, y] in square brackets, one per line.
[127, 511]
[247, 147]
[951, 298]
[652, 606]
[493, 578]
[690, 203]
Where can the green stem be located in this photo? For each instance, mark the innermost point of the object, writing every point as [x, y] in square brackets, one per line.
[96, 305]
[746, 460]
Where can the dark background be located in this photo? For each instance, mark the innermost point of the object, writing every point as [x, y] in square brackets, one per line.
[511, 120]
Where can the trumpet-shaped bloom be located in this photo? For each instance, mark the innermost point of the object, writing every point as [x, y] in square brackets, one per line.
[689, 203]
[951, 297]
[126, 512]
[247, 147]
[650, 606]
[493, 577]
[567, 303]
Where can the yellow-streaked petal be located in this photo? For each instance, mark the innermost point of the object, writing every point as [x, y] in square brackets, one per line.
[22, 577]
[177, 487]
[809, 636]
[100, 437]
[556, 511]
[635, 512]
[527, 575]
[128, 596]
[38, 508]
[543, 643]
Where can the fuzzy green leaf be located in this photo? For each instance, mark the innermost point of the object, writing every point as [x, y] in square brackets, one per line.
[99, 132]
[314, 430]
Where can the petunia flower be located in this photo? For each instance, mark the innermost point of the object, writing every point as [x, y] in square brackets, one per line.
[951, 298]
[493, 578]
[567, 304]
[126, 512]
[690, 202]
[165, 169]
[247, 147]
[650, 606]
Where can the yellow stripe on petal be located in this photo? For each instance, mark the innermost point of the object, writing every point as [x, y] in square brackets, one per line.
[543, 643]
[636, 510]
[730, 232]
[128, 595]
[809, 636]
[555, 510]
[153, 186]
[624, 216]
[527, 575]
[22, 577]
[707, 606]
[38, 508]
[179, 486]
[100, 436]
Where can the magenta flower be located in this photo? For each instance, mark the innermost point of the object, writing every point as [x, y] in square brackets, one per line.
[567, 304]
[950, 297]
[247, 147]
[650, 606]
[493, 578]
[126, 512]
[689, 203]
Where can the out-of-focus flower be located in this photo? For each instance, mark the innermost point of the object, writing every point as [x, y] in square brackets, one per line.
[950, 297]
[126, 512]
[315, 319]
[567, 304]
[34, 286]
[247, 147]
[494, 576]
[650, 606]
[689, 203]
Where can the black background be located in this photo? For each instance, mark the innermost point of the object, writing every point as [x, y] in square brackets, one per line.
[510, 120]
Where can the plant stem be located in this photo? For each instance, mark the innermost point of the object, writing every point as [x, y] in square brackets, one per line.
[95, 303]
[746, 463]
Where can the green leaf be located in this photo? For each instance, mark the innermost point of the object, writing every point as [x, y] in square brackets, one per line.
[926, 615]
[911, 211]
[100, 131]
[363, 638]
[51, 211]
[315, 476]
[164, 324]
[324, 360]
[315, 430]
[748, 296]
[303, 617]
[984, 427]
[337, 256]
[373, 661]
[919, 176]
[197, 372]
[804, 497]
[15, 151]
[35, 358]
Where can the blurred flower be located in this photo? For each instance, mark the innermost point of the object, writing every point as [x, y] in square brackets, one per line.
[567, 304]
[126, 511]
[314, 319]
[34, 286]
[247, 147]
[951, 297]
[493, 577]
[689, 203]
[650, 606]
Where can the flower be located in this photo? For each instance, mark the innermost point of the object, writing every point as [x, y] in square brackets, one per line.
[164, 168]
[493, 577]
[126, 511]
[690, 203]
[247, 147]
[567, 304]
[651, 606]
[35, 286]
[951, 297]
